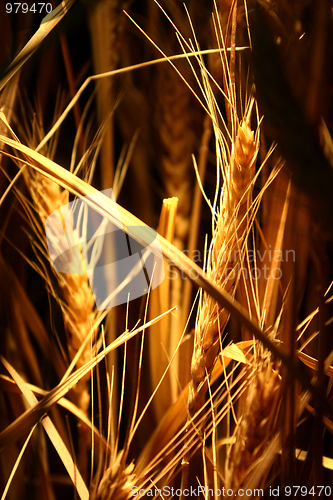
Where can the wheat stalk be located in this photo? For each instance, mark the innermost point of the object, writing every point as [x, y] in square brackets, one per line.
[161, 348]
[174, 118]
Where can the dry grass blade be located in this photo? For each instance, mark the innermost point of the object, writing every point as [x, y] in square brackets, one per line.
[8, 384]
[31, 416]
[4, 494]
[48, 23]
[313, 363]
[53, 434]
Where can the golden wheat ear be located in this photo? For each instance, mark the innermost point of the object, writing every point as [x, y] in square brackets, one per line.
[78, 303]
[226, 252]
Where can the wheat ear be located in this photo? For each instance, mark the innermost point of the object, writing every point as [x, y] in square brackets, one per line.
[226, 254]
[117, 481]
[257, 419]
[78, 305]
